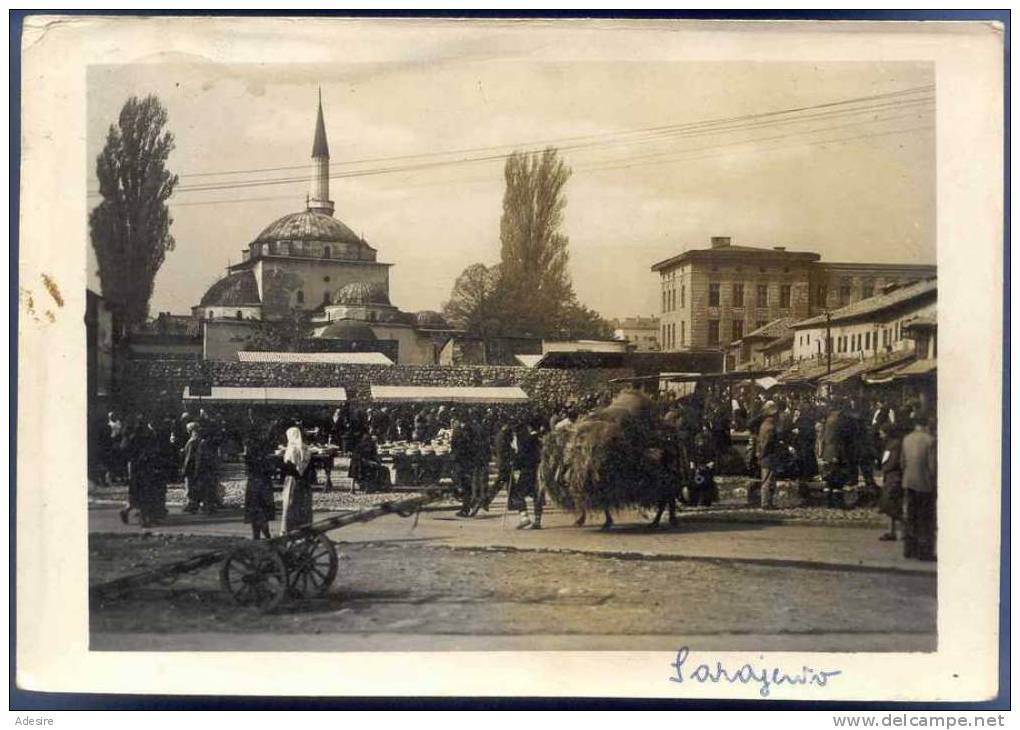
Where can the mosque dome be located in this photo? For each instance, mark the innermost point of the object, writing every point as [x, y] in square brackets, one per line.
[233, 290]
[349, 329]
[361, 293]
[308, 225]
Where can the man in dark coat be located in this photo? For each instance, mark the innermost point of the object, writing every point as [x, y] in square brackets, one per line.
[528, 448]
[768, 453]
[462, 447]
[919, 485]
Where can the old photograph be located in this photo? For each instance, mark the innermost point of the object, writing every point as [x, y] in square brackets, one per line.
[456, 347]
[348, 319]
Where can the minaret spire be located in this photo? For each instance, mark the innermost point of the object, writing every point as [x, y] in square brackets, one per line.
[319, 201]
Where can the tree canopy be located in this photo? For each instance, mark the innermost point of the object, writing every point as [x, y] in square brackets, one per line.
[130, 228]
[529, 292]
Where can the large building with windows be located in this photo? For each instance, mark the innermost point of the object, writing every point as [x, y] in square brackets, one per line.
[711, 297]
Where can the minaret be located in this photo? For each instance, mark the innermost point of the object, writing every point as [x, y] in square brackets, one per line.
[319, 201]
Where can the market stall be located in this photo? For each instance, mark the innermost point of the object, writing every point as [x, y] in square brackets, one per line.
[413, 463]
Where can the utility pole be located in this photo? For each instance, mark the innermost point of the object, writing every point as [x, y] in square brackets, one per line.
[828, 342]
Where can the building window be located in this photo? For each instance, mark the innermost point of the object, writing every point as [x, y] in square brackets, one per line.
[784, 296]
[738, 329]
[713, 331]
[683, 332]
[683, 295]
[664, 306]
[738, 295]
[867, 340]
[300, 296]
[713, 295]
[763, 295]
[823, 295]
[665, 342]
[672, 300]
[208, 315]
[868, 289]
[327, 252]
[844, 293]
[238, 315]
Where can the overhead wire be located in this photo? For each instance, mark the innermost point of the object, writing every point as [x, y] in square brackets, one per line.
[639, 136]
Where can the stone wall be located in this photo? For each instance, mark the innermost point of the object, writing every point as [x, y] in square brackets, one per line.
[159, 384]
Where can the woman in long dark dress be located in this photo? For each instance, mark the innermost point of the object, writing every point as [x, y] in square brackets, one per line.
[297, 485]
[891, 500]
[259, 505]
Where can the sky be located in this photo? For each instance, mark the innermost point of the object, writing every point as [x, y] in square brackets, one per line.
[856, 187]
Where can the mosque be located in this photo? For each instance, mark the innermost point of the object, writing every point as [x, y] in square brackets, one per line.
[312, 262]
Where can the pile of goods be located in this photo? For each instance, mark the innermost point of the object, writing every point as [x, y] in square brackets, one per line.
[608, 460]
[439, 446]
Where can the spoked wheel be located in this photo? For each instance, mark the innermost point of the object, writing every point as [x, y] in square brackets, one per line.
[255, 576]
[311, 565]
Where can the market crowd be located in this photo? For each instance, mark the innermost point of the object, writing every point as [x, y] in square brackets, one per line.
[836, 443]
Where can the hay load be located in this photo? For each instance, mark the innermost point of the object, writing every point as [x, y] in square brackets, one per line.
[607, 461]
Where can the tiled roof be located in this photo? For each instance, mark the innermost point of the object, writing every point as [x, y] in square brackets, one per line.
[874, 304]
[780, 343]
[725, 252]
[233, 290]
[775, 328]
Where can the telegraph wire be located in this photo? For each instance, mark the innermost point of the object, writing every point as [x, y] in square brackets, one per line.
[645, 135]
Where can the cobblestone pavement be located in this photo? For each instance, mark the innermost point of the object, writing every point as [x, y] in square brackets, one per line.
[412, 594]
[728, 577]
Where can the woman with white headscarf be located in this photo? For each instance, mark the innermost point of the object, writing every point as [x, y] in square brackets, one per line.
[297, 486]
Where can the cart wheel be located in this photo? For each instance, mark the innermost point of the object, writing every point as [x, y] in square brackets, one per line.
[255, 576]
[311, 566]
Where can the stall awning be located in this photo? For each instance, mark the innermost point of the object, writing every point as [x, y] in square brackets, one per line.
[915, 369]
[528, 361]
[254, 396]
[808, 371]
[867, 366]
[447, 394]
[330, 358]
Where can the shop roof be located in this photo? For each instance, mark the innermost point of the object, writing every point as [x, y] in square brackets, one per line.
[448, 394]
[868, 366]
[330, 358]
[266, 396]
[873, 305]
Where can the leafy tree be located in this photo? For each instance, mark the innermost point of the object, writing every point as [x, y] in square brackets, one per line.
[130, 228]
[475, 301]
[576, 321]
[529, 292]
[533, 250]
[289, 334]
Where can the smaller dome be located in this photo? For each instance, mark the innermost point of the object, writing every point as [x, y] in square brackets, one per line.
[361, 293]
[237, 289]
[428, 319]
[349, 329]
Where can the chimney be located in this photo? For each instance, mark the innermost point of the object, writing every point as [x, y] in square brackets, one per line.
[779, 248]
[720, 241]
